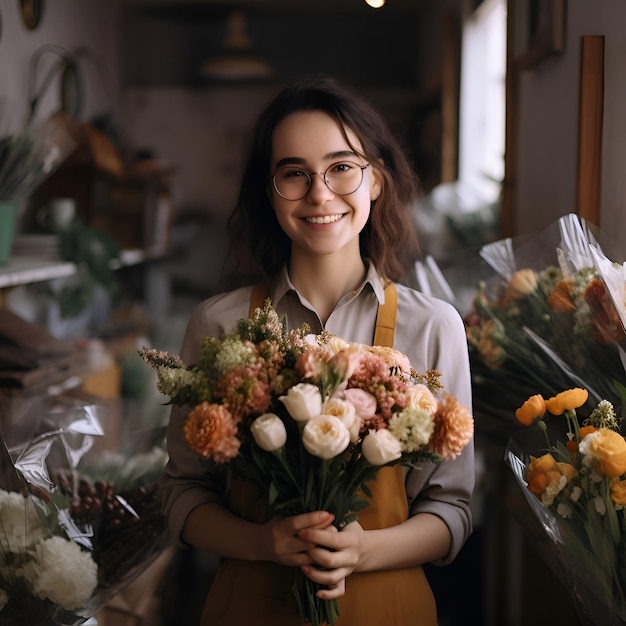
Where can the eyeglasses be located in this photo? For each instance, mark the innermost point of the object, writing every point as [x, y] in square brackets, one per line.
[293, 183]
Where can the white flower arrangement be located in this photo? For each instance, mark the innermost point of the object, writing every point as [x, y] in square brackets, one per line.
[42, 577]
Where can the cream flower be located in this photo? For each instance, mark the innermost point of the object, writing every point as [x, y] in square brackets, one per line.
[269, 432]
[345, 411]
[380, 447]
[303, 401]
[325, 436]
[420, 397]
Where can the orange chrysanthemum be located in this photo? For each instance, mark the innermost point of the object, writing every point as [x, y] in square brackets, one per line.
[454, 427]
[210, 430]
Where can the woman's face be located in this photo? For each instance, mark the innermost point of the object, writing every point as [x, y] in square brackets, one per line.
[321, 222]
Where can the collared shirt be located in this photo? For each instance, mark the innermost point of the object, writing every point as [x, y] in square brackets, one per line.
[429, 331]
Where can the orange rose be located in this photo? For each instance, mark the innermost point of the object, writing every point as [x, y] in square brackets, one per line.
[618, 492]
[559, 300]
[532, 409]
[522, 284]
[567, 400]
[609, 448]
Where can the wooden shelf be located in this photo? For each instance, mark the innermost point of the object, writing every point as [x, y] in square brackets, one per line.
[26, 270]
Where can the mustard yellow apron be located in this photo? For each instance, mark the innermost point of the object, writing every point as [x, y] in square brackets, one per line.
[253, 593]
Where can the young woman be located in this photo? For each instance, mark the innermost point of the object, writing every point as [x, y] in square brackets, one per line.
[324, 203]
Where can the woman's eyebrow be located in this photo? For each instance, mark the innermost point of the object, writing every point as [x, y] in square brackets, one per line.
[340, 154]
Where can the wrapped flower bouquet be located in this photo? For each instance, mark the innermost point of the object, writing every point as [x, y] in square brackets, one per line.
[552, 317]
[573, 474]
[309, 419]
[77, 523]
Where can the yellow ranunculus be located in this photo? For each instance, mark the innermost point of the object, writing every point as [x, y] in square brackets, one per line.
[532, 409]
[618, 492]
[567, 400]
[609, 448]
[522, 284]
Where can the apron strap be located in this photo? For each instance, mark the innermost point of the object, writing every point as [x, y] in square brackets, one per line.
[385, 319]
[260, 293]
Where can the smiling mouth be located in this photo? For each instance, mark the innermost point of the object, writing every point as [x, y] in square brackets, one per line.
[326, 219]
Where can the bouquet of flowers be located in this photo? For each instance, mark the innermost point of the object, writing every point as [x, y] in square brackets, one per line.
[77, 523]
[553, 317]
[309, 419]
[576, 488]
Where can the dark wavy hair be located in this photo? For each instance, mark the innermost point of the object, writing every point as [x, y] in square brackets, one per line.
[388, 239]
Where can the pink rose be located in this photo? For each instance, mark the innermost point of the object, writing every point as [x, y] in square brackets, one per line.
[364, 402]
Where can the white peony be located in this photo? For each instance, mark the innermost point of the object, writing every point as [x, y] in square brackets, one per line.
[303, 401]
[269, 432]
[325, 436]
[63, 573]
[380, 447]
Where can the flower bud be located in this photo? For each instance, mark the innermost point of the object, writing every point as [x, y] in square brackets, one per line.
[380, 447]
[269, 432]
[522, 284]
[303, 401]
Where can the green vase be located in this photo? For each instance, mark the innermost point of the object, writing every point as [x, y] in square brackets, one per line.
[8, 215]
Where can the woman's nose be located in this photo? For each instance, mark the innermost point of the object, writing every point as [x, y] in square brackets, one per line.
[319, 190]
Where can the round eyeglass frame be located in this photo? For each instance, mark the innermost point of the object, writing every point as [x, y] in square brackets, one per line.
[323, 175]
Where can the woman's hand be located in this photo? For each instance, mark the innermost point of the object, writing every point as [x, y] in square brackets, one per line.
[283, 543]
[334, 556]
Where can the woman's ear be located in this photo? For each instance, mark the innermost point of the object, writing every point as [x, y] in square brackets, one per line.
[376, 183]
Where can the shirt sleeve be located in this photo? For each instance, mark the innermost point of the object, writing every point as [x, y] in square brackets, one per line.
[443, 489]
[188, 480]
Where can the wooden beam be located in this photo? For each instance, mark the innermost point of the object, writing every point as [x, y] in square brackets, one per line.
[507, 212]
[590, 118]
[451, 71]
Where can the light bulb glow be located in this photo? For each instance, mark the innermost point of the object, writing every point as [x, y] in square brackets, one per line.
[375, 4]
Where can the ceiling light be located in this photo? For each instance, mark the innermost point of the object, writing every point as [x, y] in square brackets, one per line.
[375, 4]
[236, 59]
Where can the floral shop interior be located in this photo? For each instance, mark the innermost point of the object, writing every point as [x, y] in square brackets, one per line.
[123, 129]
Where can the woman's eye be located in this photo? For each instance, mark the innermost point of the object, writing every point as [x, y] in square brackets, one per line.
[294, 173]
[342, 167]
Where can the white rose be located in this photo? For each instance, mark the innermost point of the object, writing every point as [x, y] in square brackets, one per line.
[269, 432]
[325, 436]
[380, 447]
[303, 401]
[345, 411]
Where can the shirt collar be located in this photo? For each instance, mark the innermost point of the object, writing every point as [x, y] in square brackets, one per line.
[282, 284]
